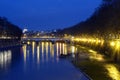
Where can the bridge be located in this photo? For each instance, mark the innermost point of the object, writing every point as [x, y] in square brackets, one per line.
[53, 39]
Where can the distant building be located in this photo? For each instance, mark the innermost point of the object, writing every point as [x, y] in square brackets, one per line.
[25, 30]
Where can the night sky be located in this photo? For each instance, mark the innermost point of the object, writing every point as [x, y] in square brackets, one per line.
[47, 14]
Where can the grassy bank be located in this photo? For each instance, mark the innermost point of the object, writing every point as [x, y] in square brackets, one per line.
[95, 65]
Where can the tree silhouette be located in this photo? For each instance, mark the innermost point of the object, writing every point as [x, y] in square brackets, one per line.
[8, 29]
[104, 21]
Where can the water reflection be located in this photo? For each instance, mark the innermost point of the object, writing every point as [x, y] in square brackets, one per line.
[33, 48]
[25, 52]
[5, 58]
[38, 54]
[45, 62]
[113, 72]
[65, 46]
[52, 50]
[60, 48]
[57, 47]
[47, 50]
[73, 50]
[42, 51]
[9, 56]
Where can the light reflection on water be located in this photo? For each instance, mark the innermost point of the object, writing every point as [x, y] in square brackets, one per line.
[38, 61]
[38, 54]
[5, 58]
[33, 48]
[25, 52]
[113, 72]
[45, 51]
[42, 58]
[73, 50]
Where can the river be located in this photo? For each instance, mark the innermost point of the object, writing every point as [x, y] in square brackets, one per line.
[38, 61]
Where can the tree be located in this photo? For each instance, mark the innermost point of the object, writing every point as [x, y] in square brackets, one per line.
[8, 29]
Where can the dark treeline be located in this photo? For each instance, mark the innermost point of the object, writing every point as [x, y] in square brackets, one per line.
[104, 22]
[7, 29]
[103, 25]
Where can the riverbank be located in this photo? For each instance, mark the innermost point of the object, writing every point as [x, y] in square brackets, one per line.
[95, 65]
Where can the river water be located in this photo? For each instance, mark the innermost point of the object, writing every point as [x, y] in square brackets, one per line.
[38, 61]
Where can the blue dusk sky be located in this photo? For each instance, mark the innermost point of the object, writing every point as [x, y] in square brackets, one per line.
[47, 14]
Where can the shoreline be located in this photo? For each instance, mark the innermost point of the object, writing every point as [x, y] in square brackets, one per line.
[71, 60]
[95, 65]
